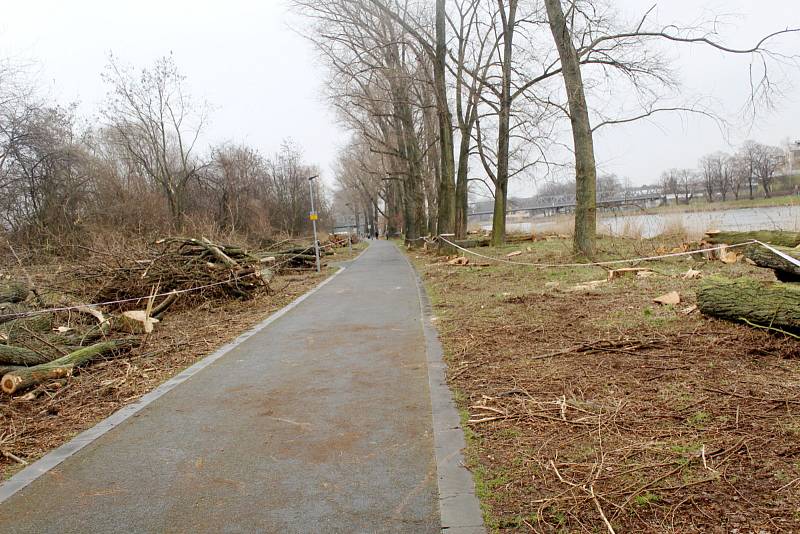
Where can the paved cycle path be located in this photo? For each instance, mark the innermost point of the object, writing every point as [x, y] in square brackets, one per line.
[319, 422]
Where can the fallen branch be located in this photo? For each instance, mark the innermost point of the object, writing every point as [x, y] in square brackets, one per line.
[14, 457]
[24, 378]
[10, 355]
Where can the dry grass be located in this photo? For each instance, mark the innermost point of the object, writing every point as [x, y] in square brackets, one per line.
[592, 403]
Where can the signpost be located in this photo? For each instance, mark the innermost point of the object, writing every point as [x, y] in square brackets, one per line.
[313, 216]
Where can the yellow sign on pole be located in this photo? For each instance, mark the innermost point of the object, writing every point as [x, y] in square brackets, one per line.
[313, 217]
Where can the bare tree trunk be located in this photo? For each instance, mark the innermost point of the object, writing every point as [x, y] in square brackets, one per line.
[462, 198]
[503, 126]
[585, 167]
[446, 219]
[393, 208]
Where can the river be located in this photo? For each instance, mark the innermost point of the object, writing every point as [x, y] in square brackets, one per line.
[693, 223]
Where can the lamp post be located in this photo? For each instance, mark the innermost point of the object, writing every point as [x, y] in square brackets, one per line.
[313, 218]
[349, 237]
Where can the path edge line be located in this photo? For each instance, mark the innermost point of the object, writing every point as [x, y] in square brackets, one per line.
[53, 458]
[459, 507]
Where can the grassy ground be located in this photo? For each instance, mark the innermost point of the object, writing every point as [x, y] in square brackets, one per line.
[581, 404]
[31, 428]
[702, 205]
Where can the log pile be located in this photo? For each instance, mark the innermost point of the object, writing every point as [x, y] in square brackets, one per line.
[341, 240]
[768, 305]
[45, 337]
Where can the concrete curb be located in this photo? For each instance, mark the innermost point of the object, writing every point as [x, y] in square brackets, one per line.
[56, 456]
[459, 507]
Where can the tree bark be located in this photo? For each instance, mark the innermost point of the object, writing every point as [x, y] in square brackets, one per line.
[24, 378]
[446, 217]
[509, 21]
[462, 192]
[13, 330]
[773, 237]
[585, 166]
[775, 305]
[5, 369]
[785, 271]
[10, 355]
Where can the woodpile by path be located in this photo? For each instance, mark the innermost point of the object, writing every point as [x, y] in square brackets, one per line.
[112, 302]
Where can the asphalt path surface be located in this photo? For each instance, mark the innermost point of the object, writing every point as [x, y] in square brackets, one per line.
[320, 422]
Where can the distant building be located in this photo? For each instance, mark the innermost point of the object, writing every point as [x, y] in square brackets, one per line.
[793, 158]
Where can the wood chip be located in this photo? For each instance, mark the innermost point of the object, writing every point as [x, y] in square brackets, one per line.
[589, 286]
[618, 273]
[727, 256]
[668, 298]
[512, 254]
[691, 274]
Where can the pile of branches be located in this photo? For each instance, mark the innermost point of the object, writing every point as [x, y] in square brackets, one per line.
[198, 267]
[341, 240]
[46, 333]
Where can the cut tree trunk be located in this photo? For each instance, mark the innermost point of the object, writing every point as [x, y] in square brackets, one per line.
[785, 270]
[12, 330]
[26, 377]
[774, 305]
[485, 241]
[5, 369]
[217, 253]
[159, 310]
[473, 243]
[13, 292]
[783, 239]
[10, 311]
[137, 321]
[21, 356]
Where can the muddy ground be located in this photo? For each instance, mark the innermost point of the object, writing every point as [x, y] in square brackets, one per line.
[594, 408]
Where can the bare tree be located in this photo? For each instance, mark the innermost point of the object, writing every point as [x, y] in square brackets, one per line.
[474, 47]
[768, 160]
[583, 36]
[153, 119]
[375, 70]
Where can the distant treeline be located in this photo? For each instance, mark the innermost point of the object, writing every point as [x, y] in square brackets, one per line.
[137, 167]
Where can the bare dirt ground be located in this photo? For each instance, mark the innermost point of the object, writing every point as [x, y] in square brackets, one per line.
[593, 409]
[64, 408]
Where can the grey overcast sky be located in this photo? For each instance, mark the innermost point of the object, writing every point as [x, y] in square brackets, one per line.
[265, 83]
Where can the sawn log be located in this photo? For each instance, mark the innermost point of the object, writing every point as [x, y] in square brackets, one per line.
[773, 237]
[773, 305]
[24, 378]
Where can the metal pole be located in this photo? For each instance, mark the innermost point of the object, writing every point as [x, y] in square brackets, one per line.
[349, 243]
[314, 220]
